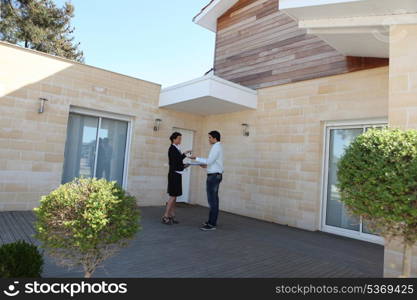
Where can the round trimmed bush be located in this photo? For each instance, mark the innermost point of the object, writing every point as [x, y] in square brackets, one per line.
[378, 181]
[20, 260]
[85, 221]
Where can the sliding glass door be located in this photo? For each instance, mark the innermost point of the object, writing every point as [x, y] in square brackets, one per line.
[95, 147]
[336, 218]
[337, 215]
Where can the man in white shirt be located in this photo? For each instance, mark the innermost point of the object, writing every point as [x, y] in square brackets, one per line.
[214, 165]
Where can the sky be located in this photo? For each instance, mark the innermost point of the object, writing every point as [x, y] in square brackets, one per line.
[153, 40]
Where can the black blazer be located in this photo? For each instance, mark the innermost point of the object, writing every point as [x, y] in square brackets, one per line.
[175, 159]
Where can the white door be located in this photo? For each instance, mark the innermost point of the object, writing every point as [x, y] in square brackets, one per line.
[186, 144]
[336, 218]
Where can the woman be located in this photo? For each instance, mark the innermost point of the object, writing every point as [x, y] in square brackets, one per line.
[174, 178]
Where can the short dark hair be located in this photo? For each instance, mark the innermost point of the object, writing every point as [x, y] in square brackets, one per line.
[174, 136]
[215, 134]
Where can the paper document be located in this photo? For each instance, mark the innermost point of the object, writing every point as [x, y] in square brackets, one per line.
[195, 163]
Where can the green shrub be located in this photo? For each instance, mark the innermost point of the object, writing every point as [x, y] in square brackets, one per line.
[20, 260]
[85, 221]
[378, 181]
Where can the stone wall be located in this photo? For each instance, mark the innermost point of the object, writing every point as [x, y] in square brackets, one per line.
[275, 174]
[32, 144]
[402, 114]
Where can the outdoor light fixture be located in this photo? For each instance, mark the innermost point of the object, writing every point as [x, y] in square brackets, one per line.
[42, 107]
[157, 124]
[245, 129]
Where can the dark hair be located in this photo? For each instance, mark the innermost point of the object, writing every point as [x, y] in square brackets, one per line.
[174, 136]
[215, 134]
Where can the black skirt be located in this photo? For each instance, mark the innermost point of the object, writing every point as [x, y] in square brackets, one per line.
[174, 184]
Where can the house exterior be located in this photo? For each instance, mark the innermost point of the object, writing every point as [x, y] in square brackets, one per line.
[294, 82]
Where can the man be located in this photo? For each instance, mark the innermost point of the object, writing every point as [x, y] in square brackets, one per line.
[214, 165]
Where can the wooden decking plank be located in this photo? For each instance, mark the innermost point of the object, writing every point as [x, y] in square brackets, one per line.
[5, 230]
[14, 228]
[26, 226]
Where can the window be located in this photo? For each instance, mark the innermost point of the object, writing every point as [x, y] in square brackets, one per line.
[96, 147]
[336, 216]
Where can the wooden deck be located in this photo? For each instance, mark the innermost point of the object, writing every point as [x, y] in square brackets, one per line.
[16, 226]
[240, 247]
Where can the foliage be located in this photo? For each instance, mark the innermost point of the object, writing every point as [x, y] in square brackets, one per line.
[20, 260]
[378, 181]
[39, 25]
[85, 221]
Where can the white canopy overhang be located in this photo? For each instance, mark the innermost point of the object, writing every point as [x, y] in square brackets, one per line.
[208, 16]
[208, 95]
[353, 27]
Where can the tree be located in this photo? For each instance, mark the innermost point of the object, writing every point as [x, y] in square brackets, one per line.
[39, 25]
[378, 181]
[85, 221]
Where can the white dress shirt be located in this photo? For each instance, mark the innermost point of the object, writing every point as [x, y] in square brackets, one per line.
[214, 161]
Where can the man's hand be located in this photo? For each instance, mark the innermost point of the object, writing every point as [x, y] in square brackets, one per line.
[192, 157]
[188, 151]
[203, 166]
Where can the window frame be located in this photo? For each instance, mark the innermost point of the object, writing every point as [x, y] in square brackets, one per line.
[111, 116]
[328, 126]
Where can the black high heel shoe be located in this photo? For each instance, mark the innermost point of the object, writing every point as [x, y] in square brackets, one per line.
[174, 221]
[166, 221]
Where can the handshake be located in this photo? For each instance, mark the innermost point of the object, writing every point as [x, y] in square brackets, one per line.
[189, 155]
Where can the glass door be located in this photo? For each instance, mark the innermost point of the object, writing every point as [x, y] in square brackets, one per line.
[95, 147]
[111, 150]
[80, 147]
[336, 218]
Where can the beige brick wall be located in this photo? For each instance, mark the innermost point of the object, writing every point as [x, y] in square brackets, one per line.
[393, 259]
[403, 77]
[32, 144]
[275, 173]
[402, 114]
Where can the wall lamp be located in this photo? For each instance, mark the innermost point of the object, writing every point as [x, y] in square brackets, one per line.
[42, 106]
[245, 129]
[157, 124]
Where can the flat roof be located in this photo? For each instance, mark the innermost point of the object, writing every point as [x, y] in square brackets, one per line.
[36, 52]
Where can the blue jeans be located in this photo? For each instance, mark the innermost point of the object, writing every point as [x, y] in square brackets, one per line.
[212, 185]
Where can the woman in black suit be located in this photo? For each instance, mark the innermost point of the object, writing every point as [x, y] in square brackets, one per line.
[174, 178]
